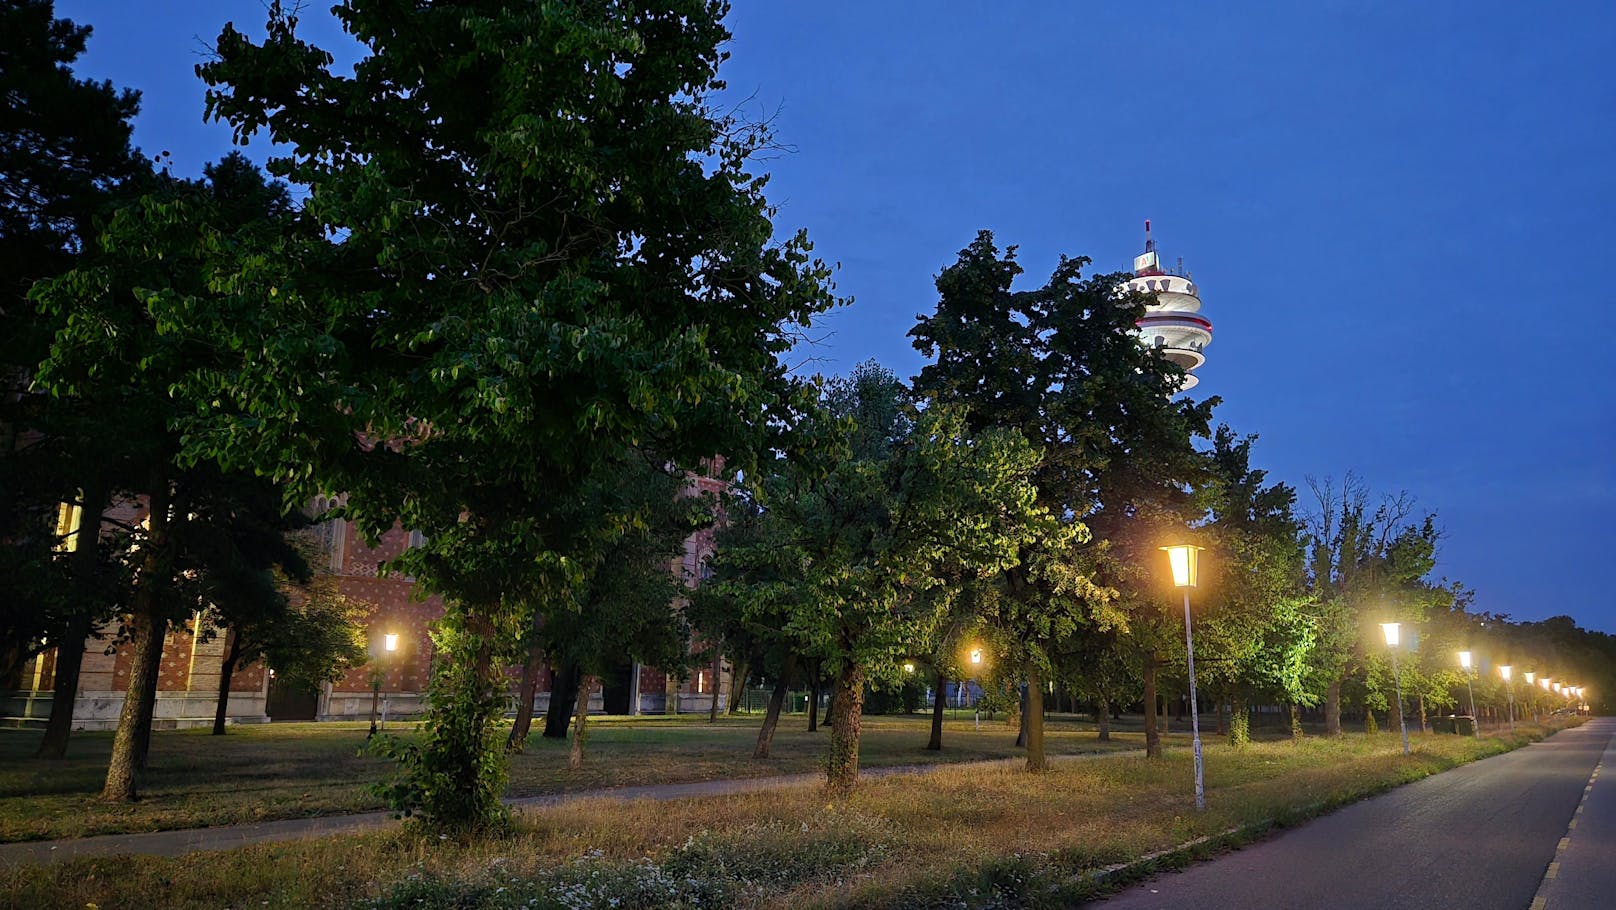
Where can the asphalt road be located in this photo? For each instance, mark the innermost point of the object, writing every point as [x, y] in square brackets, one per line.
[1479, 837]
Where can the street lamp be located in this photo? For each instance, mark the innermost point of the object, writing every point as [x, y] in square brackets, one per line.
[1530, 699]
[1510, 688]
[389, 645]
[1475, 722]
[1183, 559]
[1390, 630]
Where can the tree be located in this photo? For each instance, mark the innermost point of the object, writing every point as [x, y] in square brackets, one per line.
[114, 356]
[1060, 365]
[1255, 630]
[532, 246]
[624, 605]
[854, 541]
[64, 154]
[1365, 566]
[271, 606]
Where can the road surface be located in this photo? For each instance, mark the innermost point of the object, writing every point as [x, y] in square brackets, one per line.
[1479, 837]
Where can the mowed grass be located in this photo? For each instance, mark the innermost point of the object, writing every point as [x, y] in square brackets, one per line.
[974, 836]
[277, 771]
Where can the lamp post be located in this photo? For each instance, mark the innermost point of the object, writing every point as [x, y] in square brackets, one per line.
[1183, 559]
[1509, 687]
[389, 645]
[1475, 722]
[1531, 696]
[1390, 630]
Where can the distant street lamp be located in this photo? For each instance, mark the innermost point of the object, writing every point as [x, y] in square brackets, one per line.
[1390, 630]
[1475, 722]
[1183, 559]
[1510, 688]
[1531, 696]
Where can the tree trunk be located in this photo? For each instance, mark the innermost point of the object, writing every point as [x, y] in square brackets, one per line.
[1153, 747]
[846, 715]
[718, 665]
[149, 624]
[1162, 714]
[1223, 719]
[1032, 722]
[813, 700]
[938, 703]
[1394, 715]
[526, 691]
[232, 654]
[1021, 718]
[771, 718]
[1102, 719]
[65, 688]
[1425, 721]
[563, 689]
[575, 755]
[1332, 709]
[86, 566]
[737, 686]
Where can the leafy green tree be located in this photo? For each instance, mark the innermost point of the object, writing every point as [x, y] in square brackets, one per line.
[1255, 630]
[1366, 565]
[532, 245]
[64, 154]
[262, 595]
[114, 356]
[625, 606]
[1060, 365]
[855, 541]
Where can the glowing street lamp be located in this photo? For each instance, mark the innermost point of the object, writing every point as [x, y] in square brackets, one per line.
[976, 656]
[389, 646]
[1475, 722]
[1504, 670]
[1184, 559]
[1530, 700]
[1391, 631]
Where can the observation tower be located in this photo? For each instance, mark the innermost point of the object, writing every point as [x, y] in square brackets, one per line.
[1173, 323]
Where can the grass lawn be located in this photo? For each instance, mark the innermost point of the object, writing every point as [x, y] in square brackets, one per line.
[274, 771]
[957, 837]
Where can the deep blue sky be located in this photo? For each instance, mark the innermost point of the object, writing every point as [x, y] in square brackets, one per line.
[1399, 215]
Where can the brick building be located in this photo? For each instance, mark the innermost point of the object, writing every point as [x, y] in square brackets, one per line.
[399, 643]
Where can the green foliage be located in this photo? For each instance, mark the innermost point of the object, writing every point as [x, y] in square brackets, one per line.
[528, 246]
[454, 773]
[846, 552]
[1060, 365]
[64, 156]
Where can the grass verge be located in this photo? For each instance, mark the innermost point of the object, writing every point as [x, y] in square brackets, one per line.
[277, 771]
[957, 837]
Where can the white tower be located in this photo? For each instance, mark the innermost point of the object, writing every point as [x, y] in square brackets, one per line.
[1172, 323]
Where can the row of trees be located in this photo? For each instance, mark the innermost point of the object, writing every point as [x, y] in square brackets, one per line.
[530, 285]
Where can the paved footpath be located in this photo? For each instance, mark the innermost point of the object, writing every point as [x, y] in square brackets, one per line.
[228, 837]
[1533, 828]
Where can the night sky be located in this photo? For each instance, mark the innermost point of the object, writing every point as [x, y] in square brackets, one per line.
[1398, 216]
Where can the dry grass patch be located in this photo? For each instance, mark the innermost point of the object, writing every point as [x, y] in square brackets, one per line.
[965, 836]
[276, 771]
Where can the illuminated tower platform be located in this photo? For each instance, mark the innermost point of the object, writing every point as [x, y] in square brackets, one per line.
[1172, 323]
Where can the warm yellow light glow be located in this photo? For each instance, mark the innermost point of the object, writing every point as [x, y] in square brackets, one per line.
[1544, 682]
[1391, 631]
[976, 655]
[908, 668]
[1556, 687]
[1464, 659]
[1504, 669]
[1529, 677]
[1184, 560]
[390, 642]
